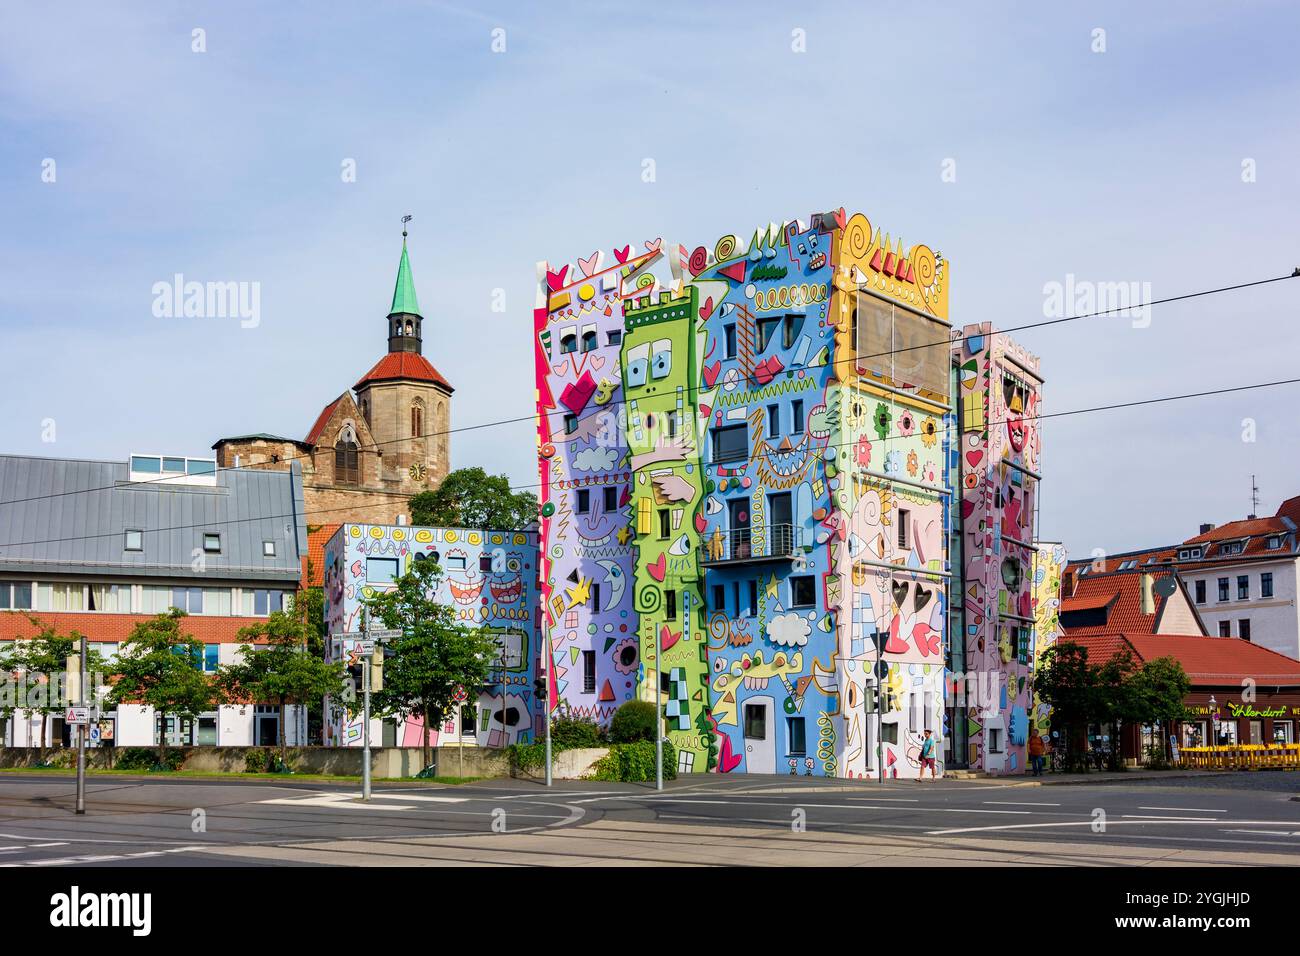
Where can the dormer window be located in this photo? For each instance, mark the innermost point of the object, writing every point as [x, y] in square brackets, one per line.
[1185, 553]
[1230, 547]
[1274, 542]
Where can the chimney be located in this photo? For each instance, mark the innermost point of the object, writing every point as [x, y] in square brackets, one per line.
[1067, 584]
[1206, 528]
[1148, 597]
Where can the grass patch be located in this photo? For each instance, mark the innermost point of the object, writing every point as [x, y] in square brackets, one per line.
[213, 775]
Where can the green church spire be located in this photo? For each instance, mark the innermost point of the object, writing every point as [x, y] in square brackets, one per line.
[404, 293]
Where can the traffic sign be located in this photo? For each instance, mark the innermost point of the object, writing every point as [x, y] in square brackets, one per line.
[365, 648]
[376, 634]
[460, 695]
[77, 715]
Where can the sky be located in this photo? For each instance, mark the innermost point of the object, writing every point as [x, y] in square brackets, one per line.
[1153, 144]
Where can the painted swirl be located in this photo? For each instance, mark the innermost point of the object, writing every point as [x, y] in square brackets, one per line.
[648, 599]
[857, 236]
[699, 260]
[725, 249]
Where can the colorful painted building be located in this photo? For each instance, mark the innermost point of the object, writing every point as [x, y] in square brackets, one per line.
[1000, 440]
[489, 577]
[1050, 561]
[782, 411]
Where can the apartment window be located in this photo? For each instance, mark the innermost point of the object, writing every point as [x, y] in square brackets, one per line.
[568, 342]
[1243, 587]
[134, 541]
[347, 467]
[731, 443]
[384, 570]
[670, 605]
[1223, 589]
[904, 521]
[1274, 542]
[1225, 629]
[753, 596]
[110, 597]
[672, 419]
[469, 718]
[773, 421]
[268, 549]
[766, 328]
[1243, 629]
[665, 523]
[790, 327]
[729, 340]
[995, 740]
[595, 599]
[60, 597]
[210, 659]
[485, 563]
[570, 424]
[1230, 547]
[1266, 584]
[17, 597]
[589, 341]
[584, 501]
[798, 738]
[611, 499]
[1200, 592]
[189, 600]
[802, 591]
[212, 542]
[719, 598]
[796, 417]
[756, 721]
[589, 672]
[614, 338]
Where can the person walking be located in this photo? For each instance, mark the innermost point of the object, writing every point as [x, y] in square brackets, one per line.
[1037, 752]
[927, 756]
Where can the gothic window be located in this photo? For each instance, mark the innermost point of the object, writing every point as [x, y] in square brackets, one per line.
[417, 419]
[347, 464]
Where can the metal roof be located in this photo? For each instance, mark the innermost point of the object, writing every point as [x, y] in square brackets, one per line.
[70, 517]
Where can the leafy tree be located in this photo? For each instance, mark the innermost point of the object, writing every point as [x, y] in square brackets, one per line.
[1161, 685]
[1067, 682]
[434, 654]
[42, 662]
[159, 666]
[282, 668]
[471, 498]
[1116, 703]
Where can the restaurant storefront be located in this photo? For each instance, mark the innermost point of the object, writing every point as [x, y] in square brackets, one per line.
[1222, 717]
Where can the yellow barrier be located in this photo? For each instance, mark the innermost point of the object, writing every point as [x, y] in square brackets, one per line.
[1241, 757]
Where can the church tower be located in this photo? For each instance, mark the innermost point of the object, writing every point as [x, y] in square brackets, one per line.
[404, 400]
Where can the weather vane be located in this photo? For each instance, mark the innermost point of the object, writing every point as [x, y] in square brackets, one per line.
[405, 220]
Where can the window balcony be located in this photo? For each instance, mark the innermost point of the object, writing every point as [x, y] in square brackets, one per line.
[777, 542]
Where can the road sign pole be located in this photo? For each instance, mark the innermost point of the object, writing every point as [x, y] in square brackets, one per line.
[659, 711]
[547, 717]
[82, 730]
[365, 717]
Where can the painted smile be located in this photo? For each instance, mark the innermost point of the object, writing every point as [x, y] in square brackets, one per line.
[595, 542]
[466, 593]
[508, 591]
[817, 261]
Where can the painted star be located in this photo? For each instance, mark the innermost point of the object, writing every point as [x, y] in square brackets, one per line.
[771, 587]
[579, 593]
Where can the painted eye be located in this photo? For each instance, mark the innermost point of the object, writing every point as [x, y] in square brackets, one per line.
[812, 240]
[638, 362]
[661, 362]
[512, 564]
[803, 250]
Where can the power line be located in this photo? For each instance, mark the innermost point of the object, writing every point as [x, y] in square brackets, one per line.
[1076, 411]
[696, 390]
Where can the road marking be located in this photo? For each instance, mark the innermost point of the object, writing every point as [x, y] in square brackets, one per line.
[332, 803]
[1152, 816]
[1109, 823]
[1184, 809]
[68, 860]
[888, 799]
[1265, 832]
[1018, 803]
[413, 796]
[826, 806]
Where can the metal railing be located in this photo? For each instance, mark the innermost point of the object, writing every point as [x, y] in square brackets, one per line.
[776, 542]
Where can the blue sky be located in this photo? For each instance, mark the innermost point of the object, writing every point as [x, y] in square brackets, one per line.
[225, 166]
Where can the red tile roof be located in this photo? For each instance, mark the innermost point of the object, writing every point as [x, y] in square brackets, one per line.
[1207, 660]
[1121, 594]
[1290, 510]
[115, 628]
[313, 565]
[1241, 529]
[408, 365]
[321, 419]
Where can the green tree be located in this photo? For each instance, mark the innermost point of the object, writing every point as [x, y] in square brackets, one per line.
[37, 666]
[434, 654]
[1067, 682]
[277, 664]
[1161, 686]
[159, 666]
[1117, 704]
[471, 498]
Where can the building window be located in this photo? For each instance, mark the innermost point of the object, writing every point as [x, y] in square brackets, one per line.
[753, 597]
[719, 598]
[1266, 584]
[611, 499]
[1230, 547]
[798, 738]
[589, 340]
[455, 562]
[1225, 629]
[614, 338]
[995, 740]
[729, 341]
[589, 672]
[569, 342]
[1274, 542]
[773, 421]
[347, 467]
[755, 721]
[1200, 592]
[796, 417]
[261, 602]
[268, 549]
[904, 517]
[189, 600]
[595, 599]
[665, 523]
[211, 655]
[570, 424]
[1223, 589]
[1243, 629]
[134, 541]
[1243, 587]
[212, 542]
[17, 597]
[417, 420]
[731, 443]
[110, 597]
[584, 501]
[383, 570]
[802, 591]
[766, 327]
[468, 719]
[670, 605]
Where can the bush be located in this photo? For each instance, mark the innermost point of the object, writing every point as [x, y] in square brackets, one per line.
[255, 761]
[634, 762]
[571, 733]
[636, 720]
[146, 758]
[527, 757]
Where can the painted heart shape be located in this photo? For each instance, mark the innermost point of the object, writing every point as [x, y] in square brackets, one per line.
[700, 523]
[559, 369]
[597, 362]
[973, 458]
[590, 266]
[653, 246]
[900, 592]
[659, 569]
[895, 644]
[622, 254]
[706, 309]
[921, 598]
[840, 218]
[555, 280]
[727, 761]
[668, 638]
[711, 373]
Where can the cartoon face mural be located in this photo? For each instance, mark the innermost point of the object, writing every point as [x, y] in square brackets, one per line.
[489, 578]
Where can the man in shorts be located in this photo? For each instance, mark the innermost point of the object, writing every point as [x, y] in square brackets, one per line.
[927, 756]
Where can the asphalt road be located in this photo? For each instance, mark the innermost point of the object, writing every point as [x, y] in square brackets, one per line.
[744, 820]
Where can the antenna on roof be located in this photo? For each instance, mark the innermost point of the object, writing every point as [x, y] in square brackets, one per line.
[1254, 499]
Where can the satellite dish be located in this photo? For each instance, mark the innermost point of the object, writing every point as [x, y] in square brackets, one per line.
[1166, 586]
